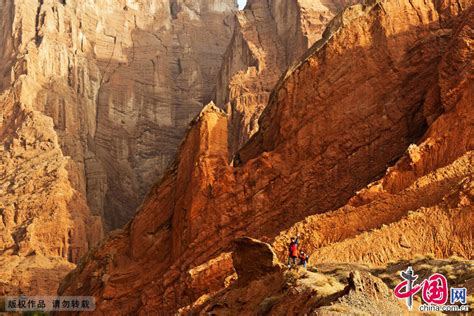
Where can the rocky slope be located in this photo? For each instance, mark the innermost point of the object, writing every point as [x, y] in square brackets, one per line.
[334, 289]
[426, 197]
[120, 81]
[269, 36]
[383, 75]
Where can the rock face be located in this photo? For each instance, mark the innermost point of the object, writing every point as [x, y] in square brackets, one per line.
[424, 202]
[45, 224]
[186, 187]
[158, 70]
[253, 259]
[95, 97]
[343, 289]
[433, 215]
[121, 80]
[376, 83]
[269, 37]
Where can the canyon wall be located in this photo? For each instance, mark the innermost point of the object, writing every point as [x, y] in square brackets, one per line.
[424, 203]
[269, 36]
[121, 80]
[375, 84]
[95, 97]
[46, 225]
[157, 74]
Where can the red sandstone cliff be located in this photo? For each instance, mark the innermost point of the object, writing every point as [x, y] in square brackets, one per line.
[45, 222]
[95, 97]
[384, 75]
[269, 36]
[113, 85]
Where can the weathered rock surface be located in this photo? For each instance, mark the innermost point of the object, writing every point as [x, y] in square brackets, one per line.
[426, 197]
[337, 289]
[364, 93]
[344, 289]
[159, 70]
[269, 36]
[433, 215]
[95, 97]
[121, 80]
[253, 259]
[45, 224]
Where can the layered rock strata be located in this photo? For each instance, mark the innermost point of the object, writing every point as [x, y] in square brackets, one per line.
[45, 224]
[423, 204]
[350, 109]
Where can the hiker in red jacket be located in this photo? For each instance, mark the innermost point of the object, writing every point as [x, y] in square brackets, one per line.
[304, 258]
[293, 250]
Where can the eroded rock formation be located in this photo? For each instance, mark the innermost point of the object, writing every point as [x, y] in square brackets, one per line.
[121, 80]
[95, 97]
[253, 259]
[340, 288]
[371, 87]
[269, 37]
[424, 202]
[158, 70]
[333, 290]
[45, 223]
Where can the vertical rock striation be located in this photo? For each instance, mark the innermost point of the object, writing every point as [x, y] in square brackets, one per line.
[156, 76]
[45, 224]
[121, 80]
[269, 36]
[95, 97]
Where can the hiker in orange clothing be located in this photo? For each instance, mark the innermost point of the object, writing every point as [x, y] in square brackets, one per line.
[293, 250]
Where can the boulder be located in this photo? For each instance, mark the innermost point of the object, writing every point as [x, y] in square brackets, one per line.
[253, 258]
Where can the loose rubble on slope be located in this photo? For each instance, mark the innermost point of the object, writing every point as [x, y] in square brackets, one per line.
[335, 289]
